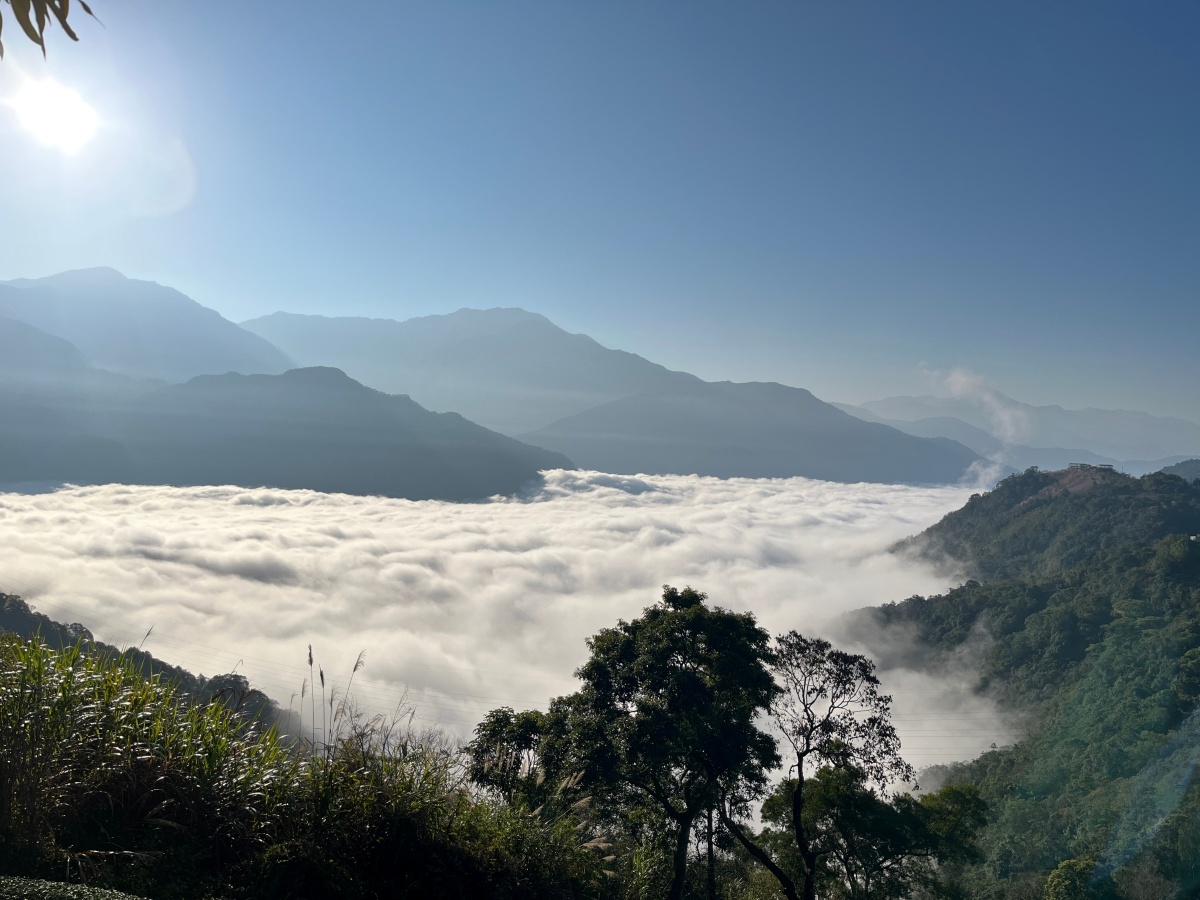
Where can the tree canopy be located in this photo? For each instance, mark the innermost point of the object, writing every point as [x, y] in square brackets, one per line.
[666, 714]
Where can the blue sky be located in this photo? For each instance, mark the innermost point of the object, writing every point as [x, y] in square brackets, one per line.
[837, 196]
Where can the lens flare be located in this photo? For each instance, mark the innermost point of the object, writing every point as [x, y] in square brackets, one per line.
[55, 115]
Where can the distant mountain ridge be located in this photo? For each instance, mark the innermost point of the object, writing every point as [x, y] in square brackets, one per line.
[1188, 470]
[1111, 433]
[137, 328]
[313, 429]
[517, 372]
[754, 430]
[508, 369]
[1015, 455]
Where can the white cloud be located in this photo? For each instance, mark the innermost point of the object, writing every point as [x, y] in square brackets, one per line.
[464, 606]
[1009, 421]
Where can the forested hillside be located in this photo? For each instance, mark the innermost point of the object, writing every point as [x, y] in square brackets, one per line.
[1189, 469]
[1041, 523]
[1089, 608]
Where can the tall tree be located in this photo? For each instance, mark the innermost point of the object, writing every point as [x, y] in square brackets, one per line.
[665, 718]
[831, 713]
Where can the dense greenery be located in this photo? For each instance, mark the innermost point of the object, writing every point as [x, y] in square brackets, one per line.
[664, 741]
[1189, 469]
[1090, 625]
[1042, 523]
[114, 778]
[16, 617]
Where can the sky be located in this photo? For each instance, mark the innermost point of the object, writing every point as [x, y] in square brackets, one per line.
[462, 608]
[846, 197]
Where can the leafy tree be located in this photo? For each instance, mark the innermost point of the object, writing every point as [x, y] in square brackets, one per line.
[34, 15]
[665, 719]
[513, 754]
[867, 846]
[831, 713]
[1076, 879]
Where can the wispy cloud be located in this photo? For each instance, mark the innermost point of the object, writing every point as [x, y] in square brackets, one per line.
[465, 606]
[1008, 420]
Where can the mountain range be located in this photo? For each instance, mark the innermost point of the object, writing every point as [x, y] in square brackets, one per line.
[307, 428]
[98, 381]
[507, 369]
[137, 328]
[1021, 434]
[517, 372]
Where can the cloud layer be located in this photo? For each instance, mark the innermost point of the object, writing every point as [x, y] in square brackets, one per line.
[464, 607]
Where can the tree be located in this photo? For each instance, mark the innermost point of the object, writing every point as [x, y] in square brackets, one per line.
[1078, 879]
[34, 15]
[509, 755]
[665, 718]
[830, 712]
[868, 847]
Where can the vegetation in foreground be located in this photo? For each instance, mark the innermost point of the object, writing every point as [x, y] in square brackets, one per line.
[115, 778]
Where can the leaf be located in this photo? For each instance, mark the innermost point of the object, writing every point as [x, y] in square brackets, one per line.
[39, 11]
[61, 9]
[20, 9]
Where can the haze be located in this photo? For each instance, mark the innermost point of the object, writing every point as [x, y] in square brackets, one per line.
[827, 196]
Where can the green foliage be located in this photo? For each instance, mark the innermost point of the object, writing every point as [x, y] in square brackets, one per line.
[103, 766]
[865, 845]
[118, 779]
[1089, 632]
[234, 691]
[508, 755]
[1043, 523]
[1078, 879]
[665, 719]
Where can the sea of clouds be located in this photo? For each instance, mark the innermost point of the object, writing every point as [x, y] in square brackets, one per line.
[461, 608]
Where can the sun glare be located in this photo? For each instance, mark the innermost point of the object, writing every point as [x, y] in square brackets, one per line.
[55, 115]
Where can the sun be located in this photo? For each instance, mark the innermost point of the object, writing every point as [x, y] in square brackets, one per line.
[55, 115]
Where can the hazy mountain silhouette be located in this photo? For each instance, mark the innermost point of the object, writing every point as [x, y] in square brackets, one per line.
[508, 369]
[750, 430]
[317, 428]
[53, 407]
[1111, 433]
[1016, 456]
[48, 440]
[1189, 469]
[136, 328]
[519, 373]
[28, 353]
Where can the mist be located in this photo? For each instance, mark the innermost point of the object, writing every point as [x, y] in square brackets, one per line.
[461, 608]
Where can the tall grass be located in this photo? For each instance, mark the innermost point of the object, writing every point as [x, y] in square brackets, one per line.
[115, 778]
[101, 765]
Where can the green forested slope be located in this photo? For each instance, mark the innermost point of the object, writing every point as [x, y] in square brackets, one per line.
[1040, 523]
[1091, 599]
